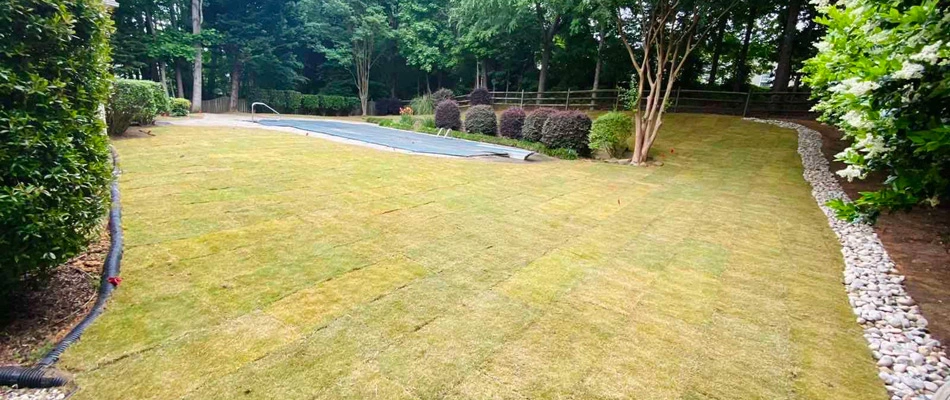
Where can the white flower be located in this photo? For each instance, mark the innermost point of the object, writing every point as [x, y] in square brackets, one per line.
[929, 53]
[872, 145]
[879, 37]
[909, 71]
[862, 88]
[822, 46]
[846, 154]
[851, 172]
[857, 120]
[820, 3]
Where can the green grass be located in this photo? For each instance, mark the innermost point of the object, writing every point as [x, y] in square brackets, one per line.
[269, 265]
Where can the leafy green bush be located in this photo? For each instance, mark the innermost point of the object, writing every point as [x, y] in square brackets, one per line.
[180, 107]
[428, 122]
[422, 105]
[512, 122]
[54, 160]
[882, 74]
[534, 123]
[442, 95]
[479, 97]
[610, 133]
[310, 104]
[447, 115]
[292, 100]
[568, 130]
[134, 101]
[481, 119]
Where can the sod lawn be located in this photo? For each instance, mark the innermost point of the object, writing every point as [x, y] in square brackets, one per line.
[262, 264]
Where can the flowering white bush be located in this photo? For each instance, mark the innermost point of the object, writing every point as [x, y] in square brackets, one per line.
[882, 75]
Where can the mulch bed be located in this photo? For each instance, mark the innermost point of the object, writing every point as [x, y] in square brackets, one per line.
[918, 241]
[37, 319]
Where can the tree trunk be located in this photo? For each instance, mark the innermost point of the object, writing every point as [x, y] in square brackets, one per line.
[196, 76]
[179, 81]
[428, 86]
[717, 52]
[545, 60]
[742, 61]
[236, 70]
[597, 67]
[784, 70]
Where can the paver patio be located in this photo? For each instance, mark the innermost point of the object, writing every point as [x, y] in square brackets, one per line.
[268, 265]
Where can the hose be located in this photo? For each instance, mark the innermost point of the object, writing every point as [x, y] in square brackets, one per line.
[42, 375]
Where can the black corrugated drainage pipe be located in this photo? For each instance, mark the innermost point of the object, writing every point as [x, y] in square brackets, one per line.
[43, 375]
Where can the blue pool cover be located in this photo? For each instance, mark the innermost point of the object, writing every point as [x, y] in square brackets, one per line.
[400, 139]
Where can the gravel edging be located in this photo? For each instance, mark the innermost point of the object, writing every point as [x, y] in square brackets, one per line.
[911, 363]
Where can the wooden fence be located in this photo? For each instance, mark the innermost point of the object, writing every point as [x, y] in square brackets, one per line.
[746, 104]
[222, 105]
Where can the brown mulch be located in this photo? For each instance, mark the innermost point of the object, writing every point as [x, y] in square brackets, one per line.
[37, 319]
[918, 241]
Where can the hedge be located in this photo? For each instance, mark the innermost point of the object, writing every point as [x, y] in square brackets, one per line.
[54, 159]
[290, 101]
[481, 119]
[134, 101]
[447, 115]
[479, 97]
[610, 133]
[512, 121]
[534, 123]
[568, 130]
[442, 95]
[179, 107]
[389, 106]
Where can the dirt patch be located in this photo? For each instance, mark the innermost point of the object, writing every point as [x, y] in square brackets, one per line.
[918, 241]
[37, 319]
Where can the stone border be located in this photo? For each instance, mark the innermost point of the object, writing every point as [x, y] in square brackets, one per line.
[911, 363]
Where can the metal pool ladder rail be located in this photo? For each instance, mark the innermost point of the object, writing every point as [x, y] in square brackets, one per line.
[265, 105]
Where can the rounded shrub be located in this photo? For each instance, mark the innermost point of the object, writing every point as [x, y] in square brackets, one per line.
[180, 107]
[534, 123]
[54, 159]
[442, 95]
[134, 101]
[512, 121]
[447, 115]
[567, 130]
[610, 132]
[479, 97]
[389, 106]
[481, 119]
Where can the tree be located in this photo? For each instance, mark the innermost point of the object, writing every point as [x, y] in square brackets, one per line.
[784, 70]
[199, 48]
[882, 75]
[669, 30]
[351, 33]
[426, 38]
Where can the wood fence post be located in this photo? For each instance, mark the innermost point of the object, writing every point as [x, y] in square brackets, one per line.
[522, 98]
[748, 97]
[676, 102]
[567, 101]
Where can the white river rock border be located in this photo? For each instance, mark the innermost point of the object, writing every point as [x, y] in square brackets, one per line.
[911, 363]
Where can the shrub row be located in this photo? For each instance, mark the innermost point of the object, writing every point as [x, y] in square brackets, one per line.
[291, 102]
[135, 101]
[481, 119]
[512, 122]
[54, 159]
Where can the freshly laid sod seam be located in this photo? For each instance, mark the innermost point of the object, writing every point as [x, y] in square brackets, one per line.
[266, 265]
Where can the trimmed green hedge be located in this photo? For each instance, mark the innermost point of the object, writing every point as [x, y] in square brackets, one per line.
[135, 101]
[610, 133]
[54, 157]
[293, 102]
[180, 107]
